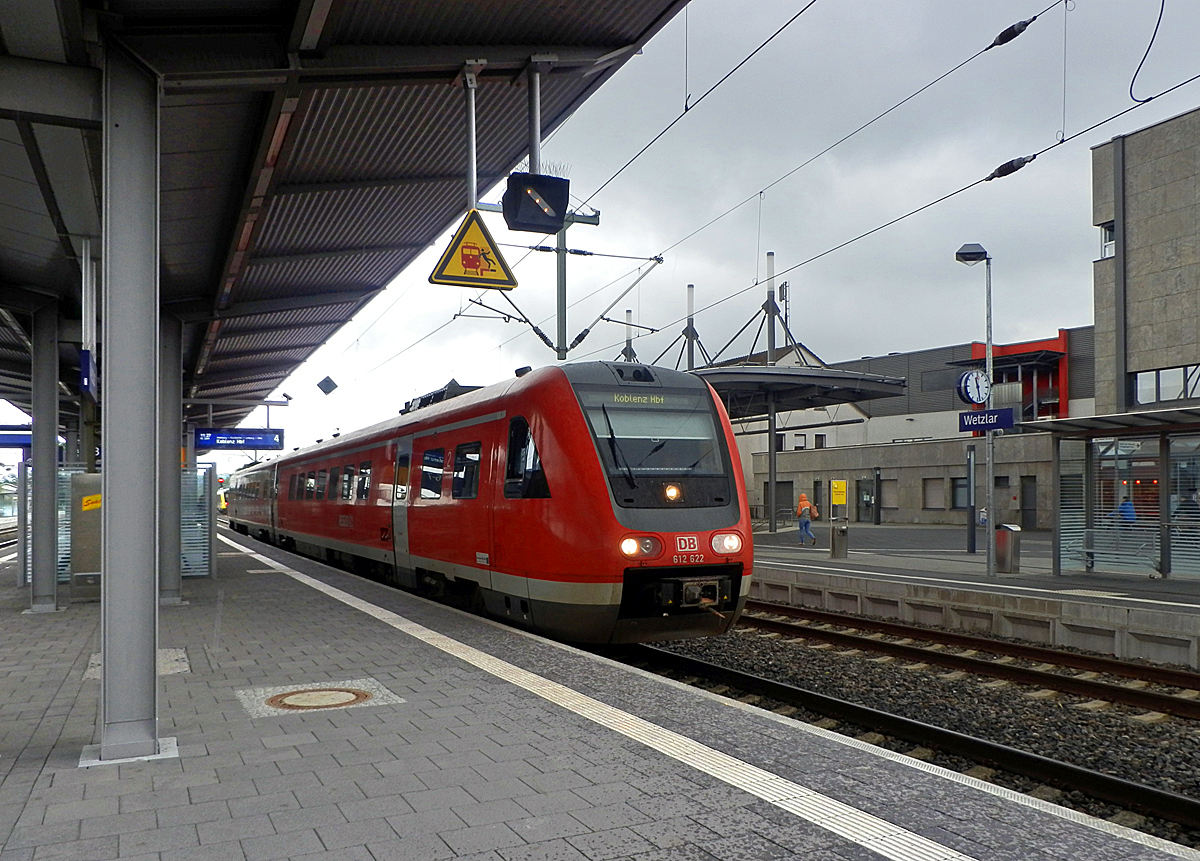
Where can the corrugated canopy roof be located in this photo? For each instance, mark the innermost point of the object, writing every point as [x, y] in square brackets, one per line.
[1117, 424]
[745, 389]
[310, 149]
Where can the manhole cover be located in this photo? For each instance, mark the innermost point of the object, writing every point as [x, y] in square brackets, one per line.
[318, 698]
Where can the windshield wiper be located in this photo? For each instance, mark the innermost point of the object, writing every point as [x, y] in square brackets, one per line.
[618, 456]
[652, 451]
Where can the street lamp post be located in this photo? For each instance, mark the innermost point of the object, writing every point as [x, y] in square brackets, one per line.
[970, 254]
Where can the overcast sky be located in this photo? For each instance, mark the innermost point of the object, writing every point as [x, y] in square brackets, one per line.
[835, 67]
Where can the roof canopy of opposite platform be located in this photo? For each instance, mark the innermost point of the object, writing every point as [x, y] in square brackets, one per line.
[747, 390]
[309, 151]
[1118, 424]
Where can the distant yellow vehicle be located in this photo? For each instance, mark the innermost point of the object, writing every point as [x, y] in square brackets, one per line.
[221, 503]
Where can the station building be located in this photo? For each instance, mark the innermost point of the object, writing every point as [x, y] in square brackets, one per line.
[1103, 411]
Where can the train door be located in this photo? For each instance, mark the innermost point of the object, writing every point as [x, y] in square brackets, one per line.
[517, 482]
[400, 500]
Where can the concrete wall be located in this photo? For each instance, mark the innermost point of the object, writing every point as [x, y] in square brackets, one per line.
[1131, 633]
[910, 464]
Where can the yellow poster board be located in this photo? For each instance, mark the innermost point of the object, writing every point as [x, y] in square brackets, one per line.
[472, 259]
[837, 492]
[90, 502]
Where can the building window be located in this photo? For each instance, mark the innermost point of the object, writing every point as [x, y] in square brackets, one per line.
[819, 440]
[799, 441]
[932, 496]
[1108, 240]
[960, 493]
[1166, 385]
[779, 442]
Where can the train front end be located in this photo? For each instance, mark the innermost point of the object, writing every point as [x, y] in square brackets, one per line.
[680, 519]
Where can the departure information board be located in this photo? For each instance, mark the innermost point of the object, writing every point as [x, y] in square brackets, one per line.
[239, 439]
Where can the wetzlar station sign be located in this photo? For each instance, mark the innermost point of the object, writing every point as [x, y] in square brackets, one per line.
[985, 420]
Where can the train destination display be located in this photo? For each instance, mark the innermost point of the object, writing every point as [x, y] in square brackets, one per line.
[239, 439]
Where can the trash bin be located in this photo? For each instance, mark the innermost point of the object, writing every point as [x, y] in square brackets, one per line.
[839, 537]
[1008, 548]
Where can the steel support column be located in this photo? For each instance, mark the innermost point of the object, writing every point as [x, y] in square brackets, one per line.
[1164, 505]
[43, 597]
[170, 437]
[1056, 509]
[129, 420]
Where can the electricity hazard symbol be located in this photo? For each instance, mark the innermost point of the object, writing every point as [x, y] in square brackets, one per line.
[472, 259]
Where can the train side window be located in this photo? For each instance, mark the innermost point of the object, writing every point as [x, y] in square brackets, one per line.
[310, 485]
[292, 485]
[524, 477]
[348, 481]
[466, 471]
[432, 463]
[402, 476]
[364, 480]
[322, 478]
[335, 489]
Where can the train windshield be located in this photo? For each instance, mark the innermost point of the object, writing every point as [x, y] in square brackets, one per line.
[654, 433]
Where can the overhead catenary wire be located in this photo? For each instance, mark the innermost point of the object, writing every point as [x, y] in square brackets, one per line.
[703, 96]
[1003, 38]
[1161, 8]
[1005, 169]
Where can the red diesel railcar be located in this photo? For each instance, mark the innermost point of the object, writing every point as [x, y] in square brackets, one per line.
[598, 503]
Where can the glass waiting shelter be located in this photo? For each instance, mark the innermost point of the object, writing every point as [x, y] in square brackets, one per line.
[1126, 490]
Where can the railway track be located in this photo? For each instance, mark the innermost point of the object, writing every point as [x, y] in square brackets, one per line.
[1183, 703]
[1127, 794]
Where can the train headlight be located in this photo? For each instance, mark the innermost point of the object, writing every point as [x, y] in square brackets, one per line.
[673, 492]
[641, 546]
[726, 543]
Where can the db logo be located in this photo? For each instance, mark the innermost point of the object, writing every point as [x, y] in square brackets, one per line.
[686, 544]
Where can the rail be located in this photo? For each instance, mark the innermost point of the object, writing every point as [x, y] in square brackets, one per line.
[1116, 790]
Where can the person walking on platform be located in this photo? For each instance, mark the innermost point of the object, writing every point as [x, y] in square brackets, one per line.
[1124, 515]
[805, 512]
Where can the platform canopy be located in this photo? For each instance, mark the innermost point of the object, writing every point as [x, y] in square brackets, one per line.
[1142, 422]
[746, 390]
[310, 149]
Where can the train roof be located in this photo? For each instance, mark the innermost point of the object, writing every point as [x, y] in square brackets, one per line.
[586, 373]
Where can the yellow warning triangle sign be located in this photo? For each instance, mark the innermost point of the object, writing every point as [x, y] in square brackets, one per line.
[472, 259]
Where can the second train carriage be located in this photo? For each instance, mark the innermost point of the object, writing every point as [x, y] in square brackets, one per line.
[597, 502]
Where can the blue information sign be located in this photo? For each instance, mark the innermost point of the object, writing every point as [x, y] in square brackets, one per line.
[985, 420]
[239, 439]
[16, 439]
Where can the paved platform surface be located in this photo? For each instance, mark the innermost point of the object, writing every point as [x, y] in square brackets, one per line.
[478, 742]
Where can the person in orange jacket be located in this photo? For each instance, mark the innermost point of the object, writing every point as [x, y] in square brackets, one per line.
[805, 512]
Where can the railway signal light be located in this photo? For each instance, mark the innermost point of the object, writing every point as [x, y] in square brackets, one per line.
[535, 202]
